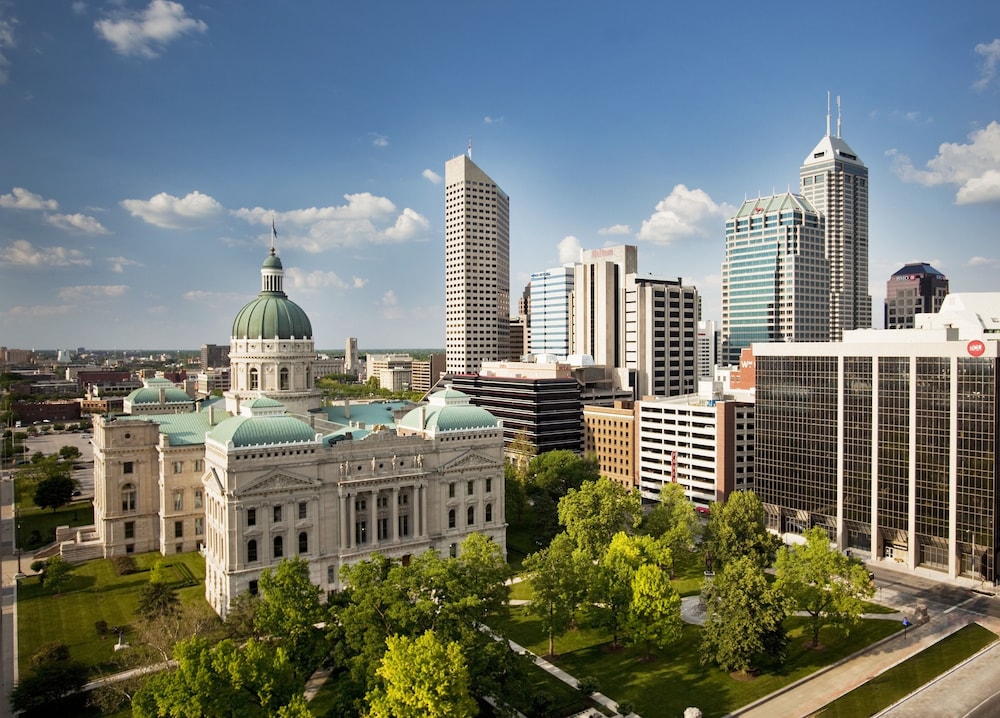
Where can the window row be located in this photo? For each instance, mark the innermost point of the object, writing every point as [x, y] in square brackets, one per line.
[277, 547]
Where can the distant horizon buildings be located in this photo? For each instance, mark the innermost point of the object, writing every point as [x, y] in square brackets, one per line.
[915, 288]
[477, 267]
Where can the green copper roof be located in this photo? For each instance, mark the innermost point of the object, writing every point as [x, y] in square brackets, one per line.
[151, 395]
[262, 422]
[448, 410]
[272, 262]
[272, 315]
[184, 429]
[262, 430]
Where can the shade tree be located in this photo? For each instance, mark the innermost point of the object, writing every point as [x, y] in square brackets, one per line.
[558, 575]
[736, 528]
[744, 617]
[826, 584]
[595, 512]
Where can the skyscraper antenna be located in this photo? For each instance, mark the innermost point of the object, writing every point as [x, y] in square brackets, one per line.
[469, 151]
[838, 116]
[827, 113]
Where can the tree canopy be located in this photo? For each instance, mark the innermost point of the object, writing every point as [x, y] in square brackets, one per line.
[254, 680]
[595, 512]
[421, 678]
[559, 585]
[673, 520]
[736, 528]
[52, 677]
[744, 617]
[820, 580]
[289, 609]
[655, 610]
[449, 596]
[556, 472]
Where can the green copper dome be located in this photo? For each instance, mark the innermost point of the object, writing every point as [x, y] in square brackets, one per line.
[272, 315]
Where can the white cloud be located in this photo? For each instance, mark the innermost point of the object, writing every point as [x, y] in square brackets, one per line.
[431, 176]
[364, 219]
[118, 264]
[86, 293]
[6, 42]
[146, 33]
[409, 225]
[982, 262]
[390, 306]
[974, 167]
[20, 198]
[21, 253]
[569, 249]
[615, 229]
[318, 279]
[200, 295]
[164, 210]
[379, 140]
[683, 213]
[492, 120]
[76, 223]
[991, 60]
[79, 8]
[40, 310]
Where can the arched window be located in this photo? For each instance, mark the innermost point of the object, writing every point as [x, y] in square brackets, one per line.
[128, 497]
[279, 548]
[303, 542]
[254, 378]
[251, 550]
[472, 515]
[451, 518]
[489, 512]
[283, 378]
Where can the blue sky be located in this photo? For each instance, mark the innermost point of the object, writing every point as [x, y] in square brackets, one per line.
[145, 146]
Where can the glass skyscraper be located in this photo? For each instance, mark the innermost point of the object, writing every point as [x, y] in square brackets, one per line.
[775, 278]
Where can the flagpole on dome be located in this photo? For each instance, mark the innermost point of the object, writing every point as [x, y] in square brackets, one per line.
[274, 235]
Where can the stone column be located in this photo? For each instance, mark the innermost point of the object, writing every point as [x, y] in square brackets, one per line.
[394, 521]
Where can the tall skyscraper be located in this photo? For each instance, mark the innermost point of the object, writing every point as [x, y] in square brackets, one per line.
[915, 288]
[476, 267]
[551, 311]
[835, 182]
[775, 278]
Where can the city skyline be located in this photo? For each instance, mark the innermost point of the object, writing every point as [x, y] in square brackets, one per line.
[148, 146]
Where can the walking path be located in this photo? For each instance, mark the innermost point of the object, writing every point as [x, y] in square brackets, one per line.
[810, 694]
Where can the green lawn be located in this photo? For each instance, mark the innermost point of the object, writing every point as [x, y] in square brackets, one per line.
[676, 678]
[899, 681]
[38, 526]
[95, 592]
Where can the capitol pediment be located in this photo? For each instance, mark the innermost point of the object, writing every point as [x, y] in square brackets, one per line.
[469, 461]
[278, 481]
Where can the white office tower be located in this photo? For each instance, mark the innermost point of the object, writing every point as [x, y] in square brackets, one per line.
[775, 278]
[835, 182]
[661, 336]
[708, 348]
[476, 267]
[599, 303]
[551, 315]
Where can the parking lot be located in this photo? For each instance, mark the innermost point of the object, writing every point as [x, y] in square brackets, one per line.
[51, 442]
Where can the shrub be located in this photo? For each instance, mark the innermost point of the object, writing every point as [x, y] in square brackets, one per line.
[587, 685]
[101, 627]
[123, 564]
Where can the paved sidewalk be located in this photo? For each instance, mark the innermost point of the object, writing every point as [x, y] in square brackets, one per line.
[806, 696]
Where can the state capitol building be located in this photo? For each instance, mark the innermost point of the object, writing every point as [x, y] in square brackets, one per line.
[268, 472]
